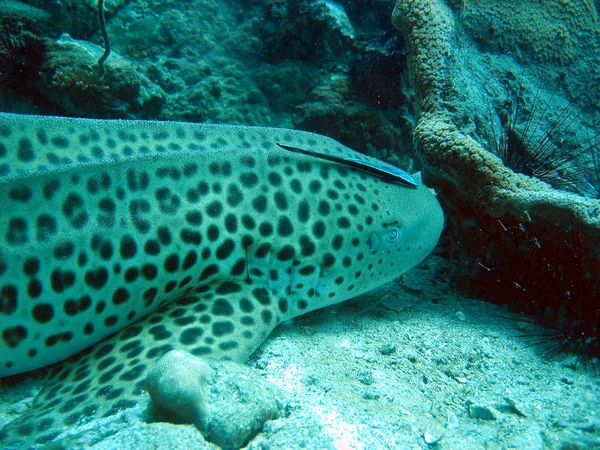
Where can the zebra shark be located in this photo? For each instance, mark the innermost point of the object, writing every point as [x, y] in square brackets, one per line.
[122, 240]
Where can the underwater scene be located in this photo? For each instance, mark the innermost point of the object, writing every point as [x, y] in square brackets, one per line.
[299, 224]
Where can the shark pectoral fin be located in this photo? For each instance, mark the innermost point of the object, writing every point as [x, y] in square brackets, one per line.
[225, 320]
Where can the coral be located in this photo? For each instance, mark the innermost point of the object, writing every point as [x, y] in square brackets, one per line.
[430, 27]
[540, 31]
[464, 60]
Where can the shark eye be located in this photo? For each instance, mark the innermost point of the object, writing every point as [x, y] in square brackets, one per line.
[392, 234]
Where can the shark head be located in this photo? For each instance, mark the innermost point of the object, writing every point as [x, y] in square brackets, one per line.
[386, 230]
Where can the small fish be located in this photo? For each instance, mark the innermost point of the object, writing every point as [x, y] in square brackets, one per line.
[380, 169]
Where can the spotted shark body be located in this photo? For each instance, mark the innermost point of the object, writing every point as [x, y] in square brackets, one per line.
[175, 235]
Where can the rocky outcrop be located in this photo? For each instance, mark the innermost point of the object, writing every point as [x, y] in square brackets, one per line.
[483, 70]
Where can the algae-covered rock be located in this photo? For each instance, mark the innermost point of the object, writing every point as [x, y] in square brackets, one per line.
[74, 80]
[484, 69]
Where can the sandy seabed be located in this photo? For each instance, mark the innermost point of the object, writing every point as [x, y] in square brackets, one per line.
[407, 366]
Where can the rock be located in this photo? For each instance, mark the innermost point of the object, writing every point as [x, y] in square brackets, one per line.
[334, 14]
[452, 421]
[468, 61]
[332, 109]
[178, 385]
[22, 11]
[387, 349]
[434, 433]
[516, 407]
[365, 377]
[483, 412]
[73, 81]
[239, 404]
[228, 402]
